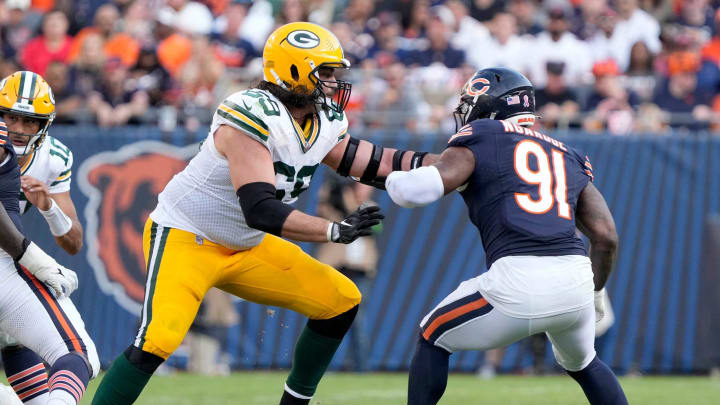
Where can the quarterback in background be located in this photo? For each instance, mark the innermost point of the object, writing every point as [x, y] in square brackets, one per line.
[35, 310]
[224, 220]
[45, 166]
[526, 193]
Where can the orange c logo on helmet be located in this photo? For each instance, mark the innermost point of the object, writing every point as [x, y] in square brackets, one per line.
[122, 188]
[471, 90]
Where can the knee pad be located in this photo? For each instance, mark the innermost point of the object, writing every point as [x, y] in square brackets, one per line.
[573, 364]
[144, 361]
[334, 327]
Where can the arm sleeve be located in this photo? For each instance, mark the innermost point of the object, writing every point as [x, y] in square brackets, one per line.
[261, 209]
[415, 188]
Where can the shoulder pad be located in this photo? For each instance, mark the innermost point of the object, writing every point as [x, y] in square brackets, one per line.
[464, 131]
[61, 157]
[474, 130]
[60, 163]
[338, 123]
[248, 111]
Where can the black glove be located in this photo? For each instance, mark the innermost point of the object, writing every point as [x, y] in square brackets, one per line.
[356, 224]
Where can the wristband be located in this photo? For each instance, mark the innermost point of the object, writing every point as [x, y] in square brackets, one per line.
[25, 245]
[59, 223]
[330, 231]
[35, 259]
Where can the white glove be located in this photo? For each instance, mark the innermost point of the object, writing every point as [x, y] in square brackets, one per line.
[600, 297]
[60, 279]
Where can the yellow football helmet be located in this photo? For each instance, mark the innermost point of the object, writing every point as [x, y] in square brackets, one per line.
[293, 55]
[27, 94]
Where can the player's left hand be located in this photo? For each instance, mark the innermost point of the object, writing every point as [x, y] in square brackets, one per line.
[36, 192]
[61, 280]
[600, 305]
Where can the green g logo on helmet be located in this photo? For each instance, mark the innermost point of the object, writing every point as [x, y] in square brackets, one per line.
[303, 39]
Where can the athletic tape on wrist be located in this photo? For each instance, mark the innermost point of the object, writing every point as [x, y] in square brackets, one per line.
[59, 223]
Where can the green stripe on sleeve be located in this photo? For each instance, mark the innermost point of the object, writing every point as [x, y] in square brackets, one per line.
[245, 127]
[59, 181]
[246, 113]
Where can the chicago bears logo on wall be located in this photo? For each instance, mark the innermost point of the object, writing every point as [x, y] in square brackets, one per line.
[122, 187]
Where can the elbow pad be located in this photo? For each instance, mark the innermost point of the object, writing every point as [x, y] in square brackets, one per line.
[261, 209]
[415, 188]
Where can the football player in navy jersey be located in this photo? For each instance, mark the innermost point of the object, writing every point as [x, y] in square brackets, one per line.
[526, 193]
[33, 303]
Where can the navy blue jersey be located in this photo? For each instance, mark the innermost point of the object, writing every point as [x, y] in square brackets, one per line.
[524, 189]
[9, 178]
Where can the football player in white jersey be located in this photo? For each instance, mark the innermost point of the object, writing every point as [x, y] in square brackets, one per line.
[27, 109]
[221, 221]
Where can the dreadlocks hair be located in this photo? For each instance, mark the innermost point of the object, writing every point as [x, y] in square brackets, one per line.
[290, 98]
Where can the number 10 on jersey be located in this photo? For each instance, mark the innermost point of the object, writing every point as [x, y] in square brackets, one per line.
[543, 178]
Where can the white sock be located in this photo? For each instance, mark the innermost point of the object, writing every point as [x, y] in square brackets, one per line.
[60, 397]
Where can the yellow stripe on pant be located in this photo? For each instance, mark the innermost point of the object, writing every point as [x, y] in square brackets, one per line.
[183, 267]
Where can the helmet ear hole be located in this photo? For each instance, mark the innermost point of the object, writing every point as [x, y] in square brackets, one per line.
[294, 73]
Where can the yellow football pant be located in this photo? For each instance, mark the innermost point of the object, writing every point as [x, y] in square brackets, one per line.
[182, 267]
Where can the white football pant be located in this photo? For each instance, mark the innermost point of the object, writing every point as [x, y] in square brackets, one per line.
[32, 316]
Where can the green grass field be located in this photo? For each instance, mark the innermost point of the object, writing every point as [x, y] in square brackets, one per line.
[264, 388]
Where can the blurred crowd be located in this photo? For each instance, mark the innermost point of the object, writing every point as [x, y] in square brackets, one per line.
[621, 66]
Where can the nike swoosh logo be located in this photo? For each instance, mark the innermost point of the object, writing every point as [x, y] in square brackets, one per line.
[247, 107]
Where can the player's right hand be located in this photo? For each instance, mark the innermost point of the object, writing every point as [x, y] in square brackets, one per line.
[356, 224]
[60, 279]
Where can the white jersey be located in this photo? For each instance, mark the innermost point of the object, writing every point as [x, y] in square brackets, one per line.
[51, 164]
[201, 199]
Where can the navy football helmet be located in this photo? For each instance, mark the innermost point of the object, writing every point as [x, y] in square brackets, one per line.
[498, 94]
